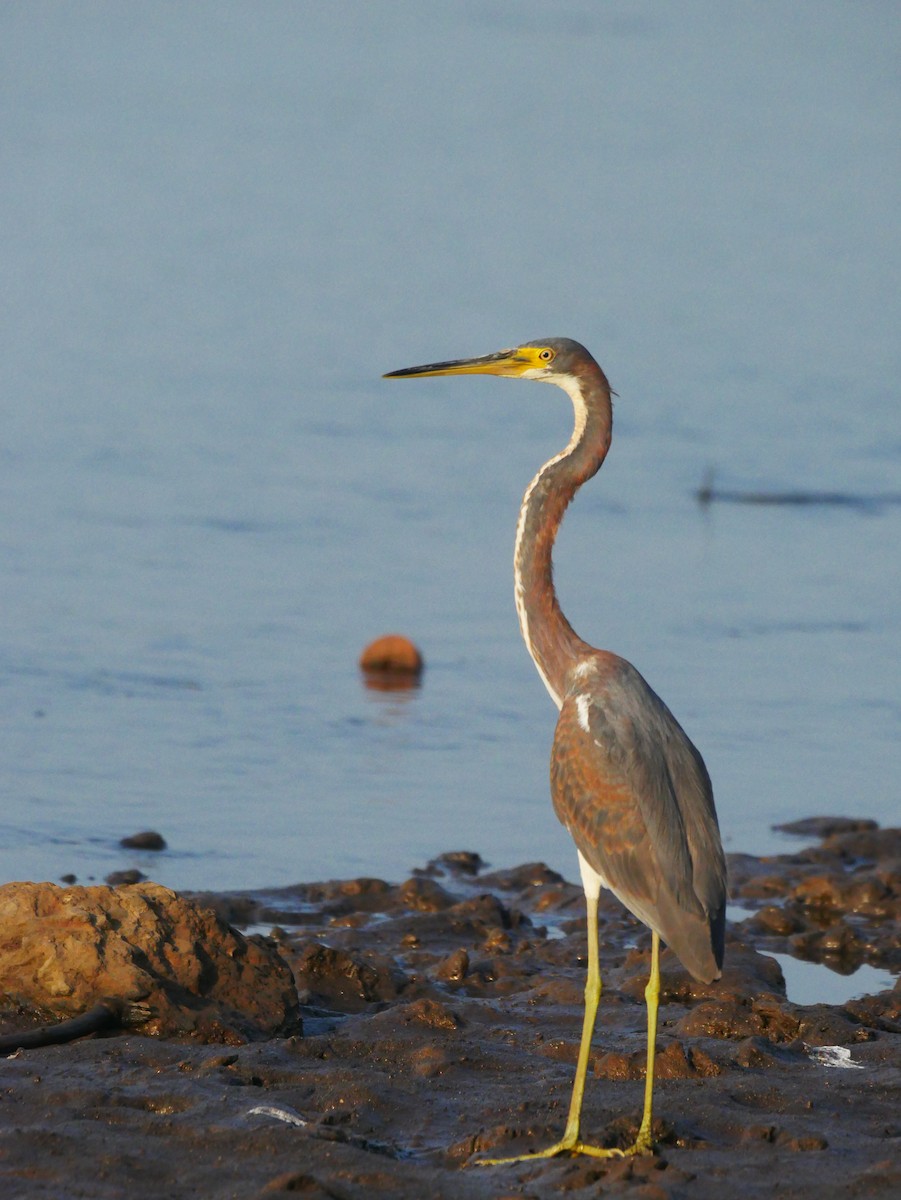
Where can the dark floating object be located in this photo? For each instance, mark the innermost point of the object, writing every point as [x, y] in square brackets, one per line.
[391, 663]
[148, 840]
[68, 878]
[707, 493]
[823, 827]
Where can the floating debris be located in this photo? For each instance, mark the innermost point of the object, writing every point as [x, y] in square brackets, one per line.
[707, 494]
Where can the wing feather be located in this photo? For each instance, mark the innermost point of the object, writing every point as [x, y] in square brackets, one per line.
[635, 794]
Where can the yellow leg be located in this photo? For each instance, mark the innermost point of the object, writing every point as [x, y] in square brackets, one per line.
[571, 1141]
[644, 1143]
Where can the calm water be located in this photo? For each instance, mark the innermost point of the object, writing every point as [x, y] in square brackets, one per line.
[222, 222]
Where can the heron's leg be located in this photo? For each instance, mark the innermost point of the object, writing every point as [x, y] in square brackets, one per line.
[592, 1000]
[644, 1143]
[571, 1140]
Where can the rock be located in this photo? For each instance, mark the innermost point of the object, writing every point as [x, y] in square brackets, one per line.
[763, 1016]
[149, 839]
[344, 982]
[820, 892]
[773, 919]
[862, 845]
[454, 968]
[676, 1061]
[524, 878]
[115, 878]
[64, 949]
[457, 862]
[756, 1052]
[431, 1013]
[424, 895]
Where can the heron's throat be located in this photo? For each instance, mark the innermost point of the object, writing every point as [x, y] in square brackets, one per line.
[550, 639]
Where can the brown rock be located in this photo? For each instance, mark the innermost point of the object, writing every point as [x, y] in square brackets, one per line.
[839, 942]
[809, 1142]
[772, 919]
[822, 1025]
[869, 896]
[431, 1013]
[457, 862]
[430, 1061]
[819, 891]
[876, 845]
[454, 968]
[424, 895]
[616, 1065]
[673, 1063]
[64, 949]
[755, 1052]
[766, 1016]
[343, 981]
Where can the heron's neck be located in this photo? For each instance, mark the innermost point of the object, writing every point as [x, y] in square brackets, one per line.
[549, 637]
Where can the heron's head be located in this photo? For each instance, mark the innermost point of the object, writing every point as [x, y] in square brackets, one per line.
[549, 360]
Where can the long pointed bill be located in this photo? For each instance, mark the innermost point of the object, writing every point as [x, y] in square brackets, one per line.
[504, 362]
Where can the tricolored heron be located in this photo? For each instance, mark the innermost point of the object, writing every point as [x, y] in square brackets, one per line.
[625, 780]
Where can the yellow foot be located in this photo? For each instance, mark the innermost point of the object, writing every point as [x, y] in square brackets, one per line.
[572, 1145]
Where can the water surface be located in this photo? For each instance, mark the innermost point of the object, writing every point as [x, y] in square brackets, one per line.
[222, 222]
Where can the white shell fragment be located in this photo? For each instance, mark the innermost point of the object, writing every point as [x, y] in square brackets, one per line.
[288, 1115]
[833, 1056]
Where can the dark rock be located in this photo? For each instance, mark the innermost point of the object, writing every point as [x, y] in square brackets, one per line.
[116, 878]
[425, 895]
[148, 840]
[454, 968]
[459, 862]
[345, 982]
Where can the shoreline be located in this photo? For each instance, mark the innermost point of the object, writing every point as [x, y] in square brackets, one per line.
[440, 1021]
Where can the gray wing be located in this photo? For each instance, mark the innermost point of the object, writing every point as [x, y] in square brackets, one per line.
[637, 799]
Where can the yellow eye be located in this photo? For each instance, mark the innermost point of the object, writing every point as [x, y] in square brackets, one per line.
[546, 355]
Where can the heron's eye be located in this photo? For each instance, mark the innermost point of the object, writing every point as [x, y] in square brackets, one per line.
[546, 355]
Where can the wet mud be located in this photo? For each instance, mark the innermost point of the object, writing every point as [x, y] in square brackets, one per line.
[438, 1021]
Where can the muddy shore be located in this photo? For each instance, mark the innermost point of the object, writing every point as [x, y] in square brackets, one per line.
[439, 1020]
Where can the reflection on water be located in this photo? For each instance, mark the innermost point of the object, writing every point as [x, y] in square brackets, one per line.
[211, 500]
[816, 983]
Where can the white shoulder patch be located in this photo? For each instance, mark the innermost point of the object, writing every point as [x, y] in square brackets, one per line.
[583, 703]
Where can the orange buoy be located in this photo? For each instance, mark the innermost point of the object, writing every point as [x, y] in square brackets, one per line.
[391, 661]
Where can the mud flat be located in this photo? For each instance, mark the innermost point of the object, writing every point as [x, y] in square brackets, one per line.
[438, 1020]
